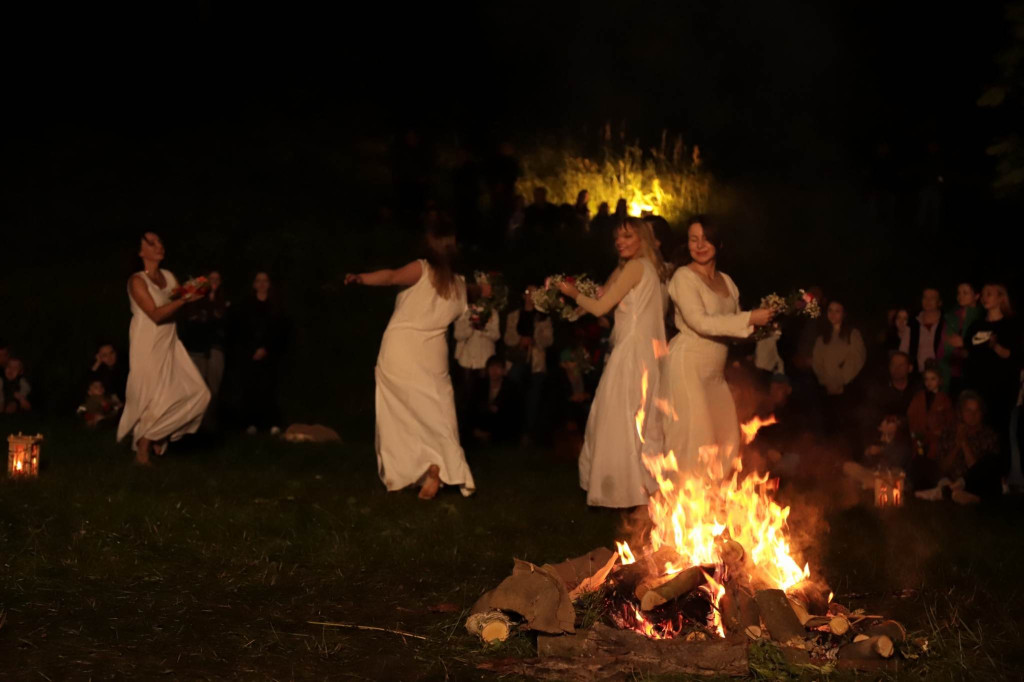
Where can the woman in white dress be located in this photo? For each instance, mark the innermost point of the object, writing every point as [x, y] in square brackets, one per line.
[611, 467]
[166, 396]
[707, 312]
[417, 434]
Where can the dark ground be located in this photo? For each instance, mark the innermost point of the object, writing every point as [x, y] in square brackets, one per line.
[210, 565]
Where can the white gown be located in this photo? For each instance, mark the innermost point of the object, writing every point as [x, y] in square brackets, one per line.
[693, 374]
[611, 468]
[416, 423]
[166, 396]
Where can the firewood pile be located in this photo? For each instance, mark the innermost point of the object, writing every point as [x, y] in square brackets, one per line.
[698, 620]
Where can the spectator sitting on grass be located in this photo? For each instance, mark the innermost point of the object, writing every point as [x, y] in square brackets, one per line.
[930, 412]
[107, 369]
[968, 457]
[15, 388]
[891, 452]
[498, 406]
[99, 405]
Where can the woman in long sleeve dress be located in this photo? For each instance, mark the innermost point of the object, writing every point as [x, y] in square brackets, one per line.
[417, 434]
[611, 464]
[166, 396]
[707, 313]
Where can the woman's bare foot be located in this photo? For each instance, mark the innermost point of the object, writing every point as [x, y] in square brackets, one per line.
[142, 452]
[431, 483]
[160, 447]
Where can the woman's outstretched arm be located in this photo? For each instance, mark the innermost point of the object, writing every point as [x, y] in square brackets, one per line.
[618, 287]
[405, 276]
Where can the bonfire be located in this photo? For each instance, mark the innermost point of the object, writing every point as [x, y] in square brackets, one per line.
[710, 574]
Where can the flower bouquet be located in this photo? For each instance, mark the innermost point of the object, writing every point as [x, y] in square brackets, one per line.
[194, 286]
[798, 302]
[550, 301]
[480, 311]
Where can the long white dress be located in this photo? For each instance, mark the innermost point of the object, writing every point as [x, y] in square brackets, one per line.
[166, 396]
[693, 374]
[611, 467]
[416, 423]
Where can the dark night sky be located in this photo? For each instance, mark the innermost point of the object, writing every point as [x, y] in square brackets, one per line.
[760, 78]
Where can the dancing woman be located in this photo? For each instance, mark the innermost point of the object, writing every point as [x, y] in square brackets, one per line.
[707, 311]
[166, 396]
[417, 435]
[611, 466]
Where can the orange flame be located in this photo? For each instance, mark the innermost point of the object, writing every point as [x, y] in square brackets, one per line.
[751, 428]
[625, 553]
[641, 413]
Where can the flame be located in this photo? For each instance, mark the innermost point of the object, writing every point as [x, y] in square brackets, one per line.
[641, 413]
[699, 513]
[694, 512]
[625, 553]
[18, 465]
[751, 428]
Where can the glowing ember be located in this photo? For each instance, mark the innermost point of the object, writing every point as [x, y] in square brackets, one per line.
[751, 428]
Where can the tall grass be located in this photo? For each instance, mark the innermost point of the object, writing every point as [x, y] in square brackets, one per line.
[666, 180]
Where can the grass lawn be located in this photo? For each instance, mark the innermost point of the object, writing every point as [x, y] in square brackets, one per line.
[211, 564]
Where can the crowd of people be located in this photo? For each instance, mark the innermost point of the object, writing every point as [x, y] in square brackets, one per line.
[932, 400]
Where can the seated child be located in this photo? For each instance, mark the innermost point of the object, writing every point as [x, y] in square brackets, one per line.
[98, 406]
[15, 388]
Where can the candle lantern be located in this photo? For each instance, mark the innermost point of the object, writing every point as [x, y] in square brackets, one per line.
[23, 455]
[889, 488]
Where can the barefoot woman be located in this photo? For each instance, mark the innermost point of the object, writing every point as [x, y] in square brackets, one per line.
[166, 396]
[417, 436]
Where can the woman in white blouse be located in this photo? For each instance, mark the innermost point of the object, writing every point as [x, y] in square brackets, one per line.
[707, 312]
[611, 465]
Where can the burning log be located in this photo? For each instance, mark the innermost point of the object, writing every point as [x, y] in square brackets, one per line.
[682, 583]
[777, 615]
[878, 646]
[890, 628]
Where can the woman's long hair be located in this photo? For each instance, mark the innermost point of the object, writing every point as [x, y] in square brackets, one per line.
[648, 244]
[845, 328]
[441, 254]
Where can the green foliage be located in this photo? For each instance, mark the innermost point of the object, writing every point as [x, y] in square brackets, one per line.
[767, 662]
[1009, 92]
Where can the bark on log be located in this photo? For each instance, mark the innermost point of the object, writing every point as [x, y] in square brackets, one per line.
[778, 616]
[874, 647]
[683, 583]
[628, 649]
[890, 628]
[739, 611]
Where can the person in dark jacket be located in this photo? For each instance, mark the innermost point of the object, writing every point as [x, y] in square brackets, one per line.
[261, 332]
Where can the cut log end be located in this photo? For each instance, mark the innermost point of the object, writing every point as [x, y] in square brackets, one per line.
[495, 631]
[839, 625]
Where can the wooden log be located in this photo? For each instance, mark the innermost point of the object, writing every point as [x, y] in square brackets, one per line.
[890, 628]
[739, 611]
[490, 626]
[839, 625]
[813, 596]
[815, 622]
[879, 646]
[681, 584]
[628, 650]
[800, 611]
[778, 616]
